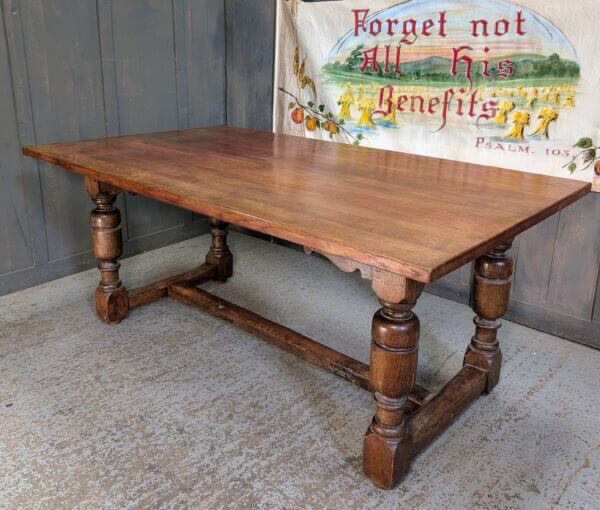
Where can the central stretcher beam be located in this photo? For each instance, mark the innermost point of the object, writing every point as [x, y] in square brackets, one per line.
[318, 354]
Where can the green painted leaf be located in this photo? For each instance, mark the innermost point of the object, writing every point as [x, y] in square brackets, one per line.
[572, 167]
[291, 105]
[589, 155]
[311, 104]
[321, 107]
[584, 143]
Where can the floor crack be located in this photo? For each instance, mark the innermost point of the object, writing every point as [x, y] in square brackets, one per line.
[584, 465]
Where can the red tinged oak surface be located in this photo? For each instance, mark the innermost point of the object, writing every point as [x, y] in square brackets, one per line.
[416, 216]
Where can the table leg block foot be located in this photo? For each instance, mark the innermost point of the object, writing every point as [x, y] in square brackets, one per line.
[112, 307]
[385, 461]
[489, 362]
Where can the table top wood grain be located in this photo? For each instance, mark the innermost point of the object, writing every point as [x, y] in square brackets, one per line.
[416, 216]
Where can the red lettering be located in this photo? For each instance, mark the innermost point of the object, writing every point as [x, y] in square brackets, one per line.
[489, 110]
[464, 58]
[472, 102]
[505, 68]
[486, 65]
[391, 23]
[443, 24]
[409, 27]
[389, 90]
[434, 101]
[520, 22]
[387, 59]
[427, 25]
[360, 17]
[375, 27]
[448, 94]
[370, 59]
[401, 101]
[483, 23]
[421, 100]
[460, 102]
[502, 23]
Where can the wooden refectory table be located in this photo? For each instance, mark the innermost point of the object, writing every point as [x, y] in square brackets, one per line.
[401, 220]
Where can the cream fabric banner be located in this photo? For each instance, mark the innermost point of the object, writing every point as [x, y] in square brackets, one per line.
[508, 84]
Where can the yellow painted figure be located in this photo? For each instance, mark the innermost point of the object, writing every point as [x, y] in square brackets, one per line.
[504, 108]
[532, 98]
[570, 101]
[366, 109]
[346, 101]
[520, 119]
[391, 117]
[361, 93]
[547, 116]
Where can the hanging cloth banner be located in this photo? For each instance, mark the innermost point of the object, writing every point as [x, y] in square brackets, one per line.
[492, 82]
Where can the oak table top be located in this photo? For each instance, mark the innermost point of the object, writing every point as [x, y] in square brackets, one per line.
[416, 216]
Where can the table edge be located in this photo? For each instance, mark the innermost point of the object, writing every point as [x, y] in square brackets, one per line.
[413, 271]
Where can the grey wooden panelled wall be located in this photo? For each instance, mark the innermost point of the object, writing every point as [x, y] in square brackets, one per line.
[556, 284]
[75, 69]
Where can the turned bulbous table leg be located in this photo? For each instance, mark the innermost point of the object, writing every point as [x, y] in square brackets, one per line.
[111, 296]
[219, 253]
[387, 448]
[490, 296]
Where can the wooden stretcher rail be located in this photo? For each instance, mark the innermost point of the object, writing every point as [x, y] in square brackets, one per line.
[153, 291]
[287, 339]
[436, 416]
[274, 333]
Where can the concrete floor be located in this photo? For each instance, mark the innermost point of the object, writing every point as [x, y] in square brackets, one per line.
[176, 409]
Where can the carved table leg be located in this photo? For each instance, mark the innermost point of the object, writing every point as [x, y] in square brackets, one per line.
[111, 295]
[219, 253]
[491, 293]
[387, 447]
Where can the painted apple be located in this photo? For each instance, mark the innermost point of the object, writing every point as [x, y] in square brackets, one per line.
[298, 115]
[598, 167]
[311, 124]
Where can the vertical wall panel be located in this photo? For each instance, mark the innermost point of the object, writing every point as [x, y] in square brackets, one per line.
[456, 285]
[65, 81]
[576, 263]
[250, 54]
[205, 62]
[532, 273]
[143, 39]
[15, 237]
